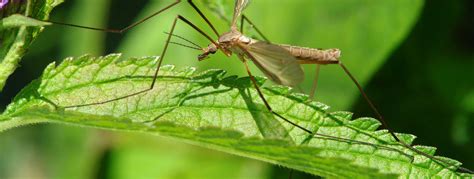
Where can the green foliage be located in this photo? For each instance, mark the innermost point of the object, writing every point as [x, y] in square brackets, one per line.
[15, 41]
[18, 20]
[218, 112]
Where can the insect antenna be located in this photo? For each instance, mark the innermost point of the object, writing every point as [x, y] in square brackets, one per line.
[184, 45]
[196, 46]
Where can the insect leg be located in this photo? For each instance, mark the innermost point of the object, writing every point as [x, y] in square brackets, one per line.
[367, 99]
[252, 78]
[315, 82]
[208, 23]
[118, 31]
[178, 17]
[384, 123]
[315, 135]
[244, 19]
[203, 16]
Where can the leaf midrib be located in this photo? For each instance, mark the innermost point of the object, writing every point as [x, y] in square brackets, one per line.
[184, 79]
[124, 78]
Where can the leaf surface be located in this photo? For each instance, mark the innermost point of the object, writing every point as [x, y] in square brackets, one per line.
[219, 112]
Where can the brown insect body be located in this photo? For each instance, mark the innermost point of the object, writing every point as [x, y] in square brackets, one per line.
[280, 63]
[228, 41]
[307, 55]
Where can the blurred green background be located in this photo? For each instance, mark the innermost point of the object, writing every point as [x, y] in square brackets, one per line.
[415, 59]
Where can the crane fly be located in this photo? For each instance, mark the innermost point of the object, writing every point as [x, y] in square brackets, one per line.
[280, 63]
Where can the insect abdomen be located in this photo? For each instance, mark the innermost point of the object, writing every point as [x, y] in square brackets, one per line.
[314, 56]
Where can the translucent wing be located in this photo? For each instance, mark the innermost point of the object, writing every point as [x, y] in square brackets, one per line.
[239, 7]
[276, 63]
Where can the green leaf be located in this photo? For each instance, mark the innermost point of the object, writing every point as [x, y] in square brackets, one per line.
[18, 20]
[15, 41]
[219, 112]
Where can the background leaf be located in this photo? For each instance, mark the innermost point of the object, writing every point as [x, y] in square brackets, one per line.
[217, 112]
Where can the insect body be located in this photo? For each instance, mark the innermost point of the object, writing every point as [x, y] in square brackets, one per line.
[307, 55]
[280, 63]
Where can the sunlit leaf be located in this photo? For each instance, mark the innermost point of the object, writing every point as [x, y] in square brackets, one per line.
[219, 112]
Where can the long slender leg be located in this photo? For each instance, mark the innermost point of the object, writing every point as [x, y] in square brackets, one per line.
[252, 78]
[244, 18]
[384, 123]
[121, 30]
[312, 94]
[204, 17]
[242, 24]
[321, 136]
[163, 53]
[315, 82]
[367, 99]
[227, 53]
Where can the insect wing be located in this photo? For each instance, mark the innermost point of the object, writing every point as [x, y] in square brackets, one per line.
[239, 7]
[276, 63]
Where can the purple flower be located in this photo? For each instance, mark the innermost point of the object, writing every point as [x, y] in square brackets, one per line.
[3, 3]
